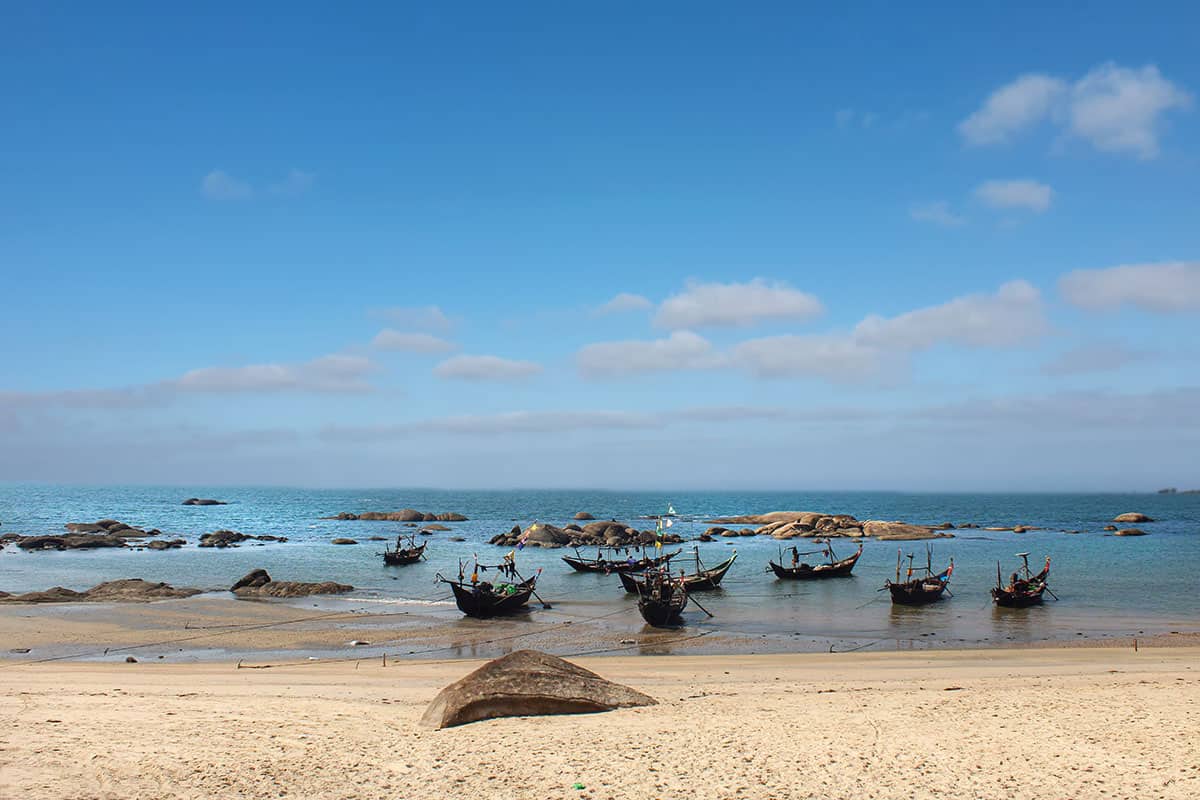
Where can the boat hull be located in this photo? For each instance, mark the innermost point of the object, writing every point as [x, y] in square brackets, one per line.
[399, 558]
[916, 593]
[607, 567]
[1007, 599]
[806, 572]
[474, 602]
[703, 581]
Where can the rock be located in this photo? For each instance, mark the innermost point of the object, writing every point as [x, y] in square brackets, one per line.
[259, 584]
[403, 515]
[436, 527]
[343, 541]
[130, 660]
[163, 544]
[946, 526]
[378, 539]
[252, 579]
[1130, 532]
[968, 526]
[583, 515]
[1132, 517]
[717, 531]
[1019, 529]
[1110, 527]
[527, 683]
[71, 541]
[225, 538]
[129, 590]
[807, 517]
[457, 539]
[203, 501]
[900, 531]
[1172, 490]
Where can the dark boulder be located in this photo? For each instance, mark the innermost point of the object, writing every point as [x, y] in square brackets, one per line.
[259, 584]
[583, 515]
[253, 579]
[71, 541]
[343, 541]
[528, 683]
[225, 538]
[165, 544]
[1132, 517]
[129, 590]
[203, 501]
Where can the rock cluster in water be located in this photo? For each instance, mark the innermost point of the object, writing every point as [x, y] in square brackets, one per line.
[258, 583]
[603, 533]
[83, 536]
[403, 515]
[225, 538]
[129, 590]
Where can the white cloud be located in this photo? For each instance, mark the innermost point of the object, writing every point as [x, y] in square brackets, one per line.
[625, 302]
[220, 185]
[1093, 358]
[1170, 286]
[297, 182]
[333, 373]
[1012, 315]
[849, 117]
[938, 213]
[1027, 194]
[1012, 108]
[837, 359]
[1118, 109]
[735, 305]
[679, 351]
[389, 339]
[429, 318]
[1115, 108]
[485, 368]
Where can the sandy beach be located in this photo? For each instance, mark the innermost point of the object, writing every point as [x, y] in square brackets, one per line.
[1055, 723]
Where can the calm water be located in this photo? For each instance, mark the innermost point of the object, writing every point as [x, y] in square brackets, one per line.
[1107, 585]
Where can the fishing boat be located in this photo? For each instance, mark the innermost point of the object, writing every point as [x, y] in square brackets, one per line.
[485, 599]
[1024, 589]
[802, 571]
[924, 588]
[401, 555]
[701, 580]
[661, 600]
[608, 565]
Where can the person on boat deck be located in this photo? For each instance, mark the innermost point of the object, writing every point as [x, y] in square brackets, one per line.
[795, 556]
[1013, 580]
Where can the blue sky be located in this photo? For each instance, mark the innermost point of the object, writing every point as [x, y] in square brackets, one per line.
[938, 249]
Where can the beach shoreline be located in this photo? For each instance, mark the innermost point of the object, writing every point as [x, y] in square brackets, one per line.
[996, 723]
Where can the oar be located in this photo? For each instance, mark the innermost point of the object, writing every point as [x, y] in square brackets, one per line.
[539, 597]
[692, 598]
[1052, 594]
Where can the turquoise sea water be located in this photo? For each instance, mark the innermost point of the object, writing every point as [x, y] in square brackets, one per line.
[1108, 585]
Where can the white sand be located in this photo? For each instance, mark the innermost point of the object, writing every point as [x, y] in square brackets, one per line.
[1044, 724]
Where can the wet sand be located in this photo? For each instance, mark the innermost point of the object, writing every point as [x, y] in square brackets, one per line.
[1053, 723]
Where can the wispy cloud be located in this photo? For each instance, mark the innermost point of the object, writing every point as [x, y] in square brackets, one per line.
[855, 118]
[220, 185]
[1171, 286]
[424, 318]
[1027, 194]
[332, 373]
[486, 368]
[297, 182]
[1116, 109]
[623, 302]
[937, 213]
[682, 350]
[389, 339]
[702, 305]
[1093, 358]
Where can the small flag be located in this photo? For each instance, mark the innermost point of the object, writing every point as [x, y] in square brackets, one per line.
[525, 536]
[668, 523]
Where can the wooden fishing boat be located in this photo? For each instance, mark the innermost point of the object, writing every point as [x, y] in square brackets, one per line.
[609, 565]
[799, 571]
[661, 600]
[486, 599]
[922, 589]
[1022, 591]
[400, 555]
[699, 581]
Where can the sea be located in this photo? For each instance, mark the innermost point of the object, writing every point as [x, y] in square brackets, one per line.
[1107, 586]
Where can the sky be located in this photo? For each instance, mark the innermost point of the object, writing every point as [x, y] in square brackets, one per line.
[601, 245]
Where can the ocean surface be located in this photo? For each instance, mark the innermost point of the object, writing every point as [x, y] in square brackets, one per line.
[1108, 586]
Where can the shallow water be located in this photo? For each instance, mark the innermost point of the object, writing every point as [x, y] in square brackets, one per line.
[1108, 585]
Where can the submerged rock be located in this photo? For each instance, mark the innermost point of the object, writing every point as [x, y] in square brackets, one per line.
[583, 515]
[1130, 532]
[1132, 517]
[225, 538]
[528, 683]
[343, 541]
[203, 501]
[403, 515]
